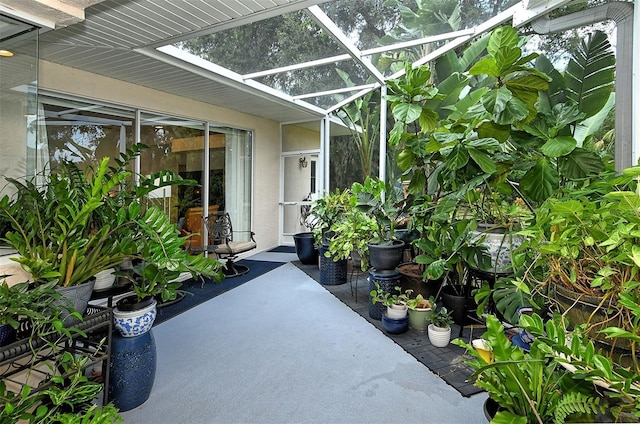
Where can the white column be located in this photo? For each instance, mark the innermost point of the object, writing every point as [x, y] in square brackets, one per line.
[635, 83]
[383, 133]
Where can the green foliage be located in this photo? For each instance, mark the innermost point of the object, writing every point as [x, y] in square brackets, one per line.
[515, 124]
[407, 95]
[440, 317]
[590, 75]
[94, 415]
[570, 112]
[384, 202]
[529, 385]
[327, 211]
[576, 352]
[497, 152]
[388, 298]
[20, 301]
[362, 117]
[444, 246]
[352, 234]
[419, 302]
[68, 399]
[81, 222]
[588, 239]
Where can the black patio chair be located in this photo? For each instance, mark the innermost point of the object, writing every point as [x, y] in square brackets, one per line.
[222, 243]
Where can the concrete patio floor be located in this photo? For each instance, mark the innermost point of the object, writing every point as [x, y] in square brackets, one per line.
[282, 349]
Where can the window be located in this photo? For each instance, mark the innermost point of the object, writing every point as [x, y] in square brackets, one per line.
[85, 132]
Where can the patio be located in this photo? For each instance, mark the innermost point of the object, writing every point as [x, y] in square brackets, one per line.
[313, 360]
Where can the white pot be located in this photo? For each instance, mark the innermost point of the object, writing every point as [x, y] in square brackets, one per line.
[397, 311]
[135, 323]
[104, 279]
[438, 336]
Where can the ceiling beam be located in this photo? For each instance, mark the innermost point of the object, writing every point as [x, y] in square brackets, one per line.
[47, 13]
[332, 29]
[192, 63]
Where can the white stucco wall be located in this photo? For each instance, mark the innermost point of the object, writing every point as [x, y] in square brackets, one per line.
[266, 144]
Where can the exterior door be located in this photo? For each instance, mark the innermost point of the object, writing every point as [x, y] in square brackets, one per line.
[299, 188]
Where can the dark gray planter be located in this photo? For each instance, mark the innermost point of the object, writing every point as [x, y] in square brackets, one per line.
[305, 248]
[332, 273]
[386, 256]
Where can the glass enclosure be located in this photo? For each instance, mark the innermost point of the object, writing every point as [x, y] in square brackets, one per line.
[19, 148]
[18, 95]
[297, 54]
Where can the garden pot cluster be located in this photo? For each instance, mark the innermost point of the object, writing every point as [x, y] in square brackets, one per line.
[507, 201]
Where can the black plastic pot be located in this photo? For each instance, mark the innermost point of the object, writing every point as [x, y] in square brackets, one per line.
[490, 408]
[131, 303]
[305, 248]
[454, 299]
[386, 256]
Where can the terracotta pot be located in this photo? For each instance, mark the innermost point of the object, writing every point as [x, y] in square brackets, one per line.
[412, 279]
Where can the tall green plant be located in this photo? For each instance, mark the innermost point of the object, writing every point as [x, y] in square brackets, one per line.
[516, 123]
[553, 146]
[384, 202]
[362, 117]
[81, 222]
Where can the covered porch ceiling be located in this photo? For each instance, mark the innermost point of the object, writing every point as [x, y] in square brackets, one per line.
[137, 41]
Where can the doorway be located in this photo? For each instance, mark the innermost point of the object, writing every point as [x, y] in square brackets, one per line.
[299, 188]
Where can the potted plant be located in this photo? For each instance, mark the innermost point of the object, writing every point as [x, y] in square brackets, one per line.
[327, 212]
[351, 236]
[68, 398]
[584, 251]
[394, 300]
[419, 310]
[305, 242]
[515, 124]
[446, 252]
[81, 222]
[528, 386]
[439, 329]
[575, 351]
[385, 203]
[500, 216]
[395, 319]
[22, 302]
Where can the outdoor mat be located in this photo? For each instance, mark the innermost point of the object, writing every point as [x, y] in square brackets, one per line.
[198, 292]
[283, 249]
[446, 362]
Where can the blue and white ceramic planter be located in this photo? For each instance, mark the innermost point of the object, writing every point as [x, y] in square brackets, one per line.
[135, 323]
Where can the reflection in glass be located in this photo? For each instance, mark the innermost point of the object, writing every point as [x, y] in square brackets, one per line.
[84, 132]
